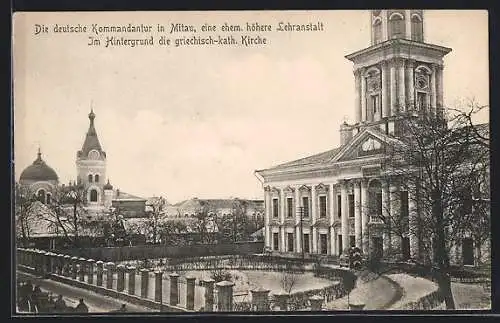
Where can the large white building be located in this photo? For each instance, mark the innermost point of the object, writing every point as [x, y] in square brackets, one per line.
[320, 204]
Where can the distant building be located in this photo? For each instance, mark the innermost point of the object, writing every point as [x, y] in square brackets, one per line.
[189, 208]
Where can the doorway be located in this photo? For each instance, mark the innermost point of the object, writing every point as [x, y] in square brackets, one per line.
[323, 243]
[468, 251]
[377, 251]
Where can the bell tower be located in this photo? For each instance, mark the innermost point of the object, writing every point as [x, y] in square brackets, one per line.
[398, 74]
[91, 165]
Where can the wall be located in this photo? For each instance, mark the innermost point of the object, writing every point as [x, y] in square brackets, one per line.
[130, 208]
[161, 251]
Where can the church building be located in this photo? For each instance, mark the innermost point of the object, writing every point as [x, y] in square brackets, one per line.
[91, 166]
[323, 204]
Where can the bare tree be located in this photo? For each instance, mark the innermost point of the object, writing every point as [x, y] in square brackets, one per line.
[288, 280]
[157, 208]
[24, 206]
[436, 162]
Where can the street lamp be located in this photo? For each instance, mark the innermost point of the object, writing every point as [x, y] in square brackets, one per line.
[301, 212]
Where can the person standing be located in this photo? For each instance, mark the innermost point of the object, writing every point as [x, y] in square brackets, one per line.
[81, 307]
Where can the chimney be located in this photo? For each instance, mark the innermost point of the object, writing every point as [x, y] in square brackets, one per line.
[345, 133]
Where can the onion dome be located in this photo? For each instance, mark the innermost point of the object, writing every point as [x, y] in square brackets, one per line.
[108, 186]
[39, 171]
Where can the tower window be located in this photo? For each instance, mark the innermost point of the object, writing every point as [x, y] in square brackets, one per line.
[397, 26]
[377, 31]
[90, 178]
[417, 28]
[93, 195]
[96, 178]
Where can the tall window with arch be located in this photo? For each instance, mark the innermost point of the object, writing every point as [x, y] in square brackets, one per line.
[397, 26]
[377, 31]
[93, 195]
[417, 28]
[96, 178]
[90, 178]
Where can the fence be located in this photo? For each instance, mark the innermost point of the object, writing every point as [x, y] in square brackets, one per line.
[162, 251]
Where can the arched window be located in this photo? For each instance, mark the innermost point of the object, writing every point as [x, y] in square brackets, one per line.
[417, 30]
[93, 195]
[41, 196]
[96, 178]
[90, 178]
[377, 31]
[48, 198]
[397, 26]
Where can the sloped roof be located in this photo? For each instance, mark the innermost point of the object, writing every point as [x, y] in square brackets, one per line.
[319, 158]
[216, 203]
[119, 195]
[91, 140]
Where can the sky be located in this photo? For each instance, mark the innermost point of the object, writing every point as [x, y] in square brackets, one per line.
[198, 121]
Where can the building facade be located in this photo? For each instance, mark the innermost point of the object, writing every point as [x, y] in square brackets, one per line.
[325, 203]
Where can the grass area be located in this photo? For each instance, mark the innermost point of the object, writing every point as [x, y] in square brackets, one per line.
[413, 288]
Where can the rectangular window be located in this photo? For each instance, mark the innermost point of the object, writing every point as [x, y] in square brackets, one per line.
[379, 204]
[341, 248]
[289, 206]
[306, 243]
[374, 104]
[351, 205]
[290, 241]
[352, 241]
[323, 238]
[276, 241]
[421, 101]
[339, 206]
[322, 206]
[305, 204]
[275, 208]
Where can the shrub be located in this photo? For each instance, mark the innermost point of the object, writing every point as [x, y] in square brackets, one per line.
[220, 275]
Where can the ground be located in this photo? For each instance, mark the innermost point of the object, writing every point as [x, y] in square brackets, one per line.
[96, 303]
[413, 288]
[471, 296]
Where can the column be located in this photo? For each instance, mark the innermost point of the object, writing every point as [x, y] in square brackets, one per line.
[110, 267]
[74, 267]
[298, 233]
[90, 271]
[413, 221]
[314, 218]
[357, 214]
[158, 286]
[411, 85]
[345, 214]
[386, 213]
[260, 299]
[357, 95]
[174, 289]
[267, 216]
[408, 24]
[393, 83]
[209, 294]
[281, 299]
[364, 216]
[282, 219]
[433, 89]
[81, 272]
[331, 199]
[225, 296]
[386, 105]
[190, 283]
[120, 281]
[395, 215]
[144, 282]
[385, 35]
[363, 95]
[439, 89]
[100, 271]
[131, 279]
[401, 86]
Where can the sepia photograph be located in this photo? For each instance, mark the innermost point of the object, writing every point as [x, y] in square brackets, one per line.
[326, 161]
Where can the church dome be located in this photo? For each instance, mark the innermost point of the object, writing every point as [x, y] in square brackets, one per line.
[108, 186]
[39, 171]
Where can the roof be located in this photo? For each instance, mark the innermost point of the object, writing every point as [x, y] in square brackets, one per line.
[91, 140]
[195, 203]
[310, 160]
[119, 195]
[39, 171]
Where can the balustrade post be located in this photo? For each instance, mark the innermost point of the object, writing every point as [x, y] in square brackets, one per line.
[174, 289]
[120, 281]
[100, 272]
[225, 296]
[67, 271]
[281, 299]
[82, 263]
[190, 284]
[159, 286]
[316, 302]
[209, 285]
[90, 271]
[110, 267]
[260, 299]
[131, 280]
[74, 267]
[144, 282]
